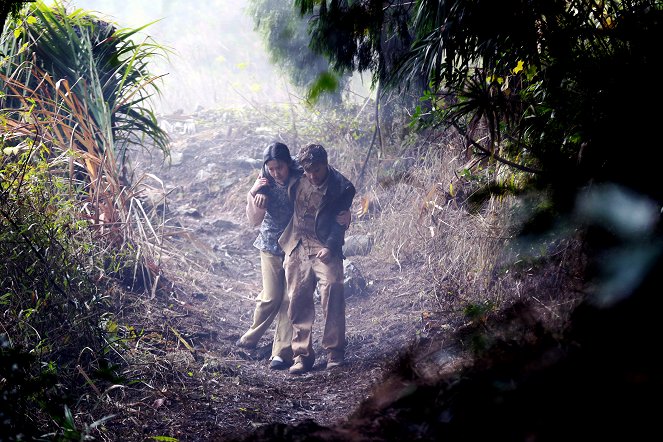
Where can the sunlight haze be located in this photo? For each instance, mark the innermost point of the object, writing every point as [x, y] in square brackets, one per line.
[218, 60]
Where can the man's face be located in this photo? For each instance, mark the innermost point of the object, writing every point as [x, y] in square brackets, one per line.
[316, 173]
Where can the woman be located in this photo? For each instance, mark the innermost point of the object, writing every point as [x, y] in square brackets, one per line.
[268, 205]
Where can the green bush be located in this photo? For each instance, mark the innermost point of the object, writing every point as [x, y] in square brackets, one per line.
[51, 307]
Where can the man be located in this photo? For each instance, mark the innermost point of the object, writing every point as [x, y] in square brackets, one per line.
[313, 246]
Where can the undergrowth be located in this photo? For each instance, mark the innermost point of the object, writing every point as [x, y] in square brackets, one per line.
[52, 343]
[72, 230]
[435, 218]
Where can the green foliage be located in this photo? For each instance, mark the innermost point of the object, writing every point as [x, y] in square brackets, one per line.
[23, 386]
[478, 339]
[51, 305]
[38, 226]
[548, 83]
[103, 66]
[70, 431]
[368, 36]
[75, 97]
[326, 82]
[84, 88]
[478, 311]
[552, 89]
[347, 33]
[287, 41]
[10, 9]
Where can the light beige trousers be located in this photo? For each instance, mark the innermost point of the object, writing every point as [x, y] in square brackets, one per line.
[272, 303]
[302, 273]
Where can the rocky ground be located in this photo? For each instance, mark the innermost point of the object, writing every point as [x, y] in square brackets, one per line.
[193, 382]
[408, 374]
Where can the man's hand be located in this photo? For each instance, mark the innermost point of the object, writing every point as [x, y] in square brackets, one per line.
[259, 199]
[324, 255]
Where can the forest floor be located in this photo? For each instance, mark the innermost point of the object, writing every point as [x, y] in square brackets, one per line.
[542, 366]
[195, 384]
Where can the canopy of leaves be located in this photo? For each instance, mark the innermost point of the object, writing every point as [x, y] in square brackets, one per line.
[360, 36]
[561, 88]
[286, 38]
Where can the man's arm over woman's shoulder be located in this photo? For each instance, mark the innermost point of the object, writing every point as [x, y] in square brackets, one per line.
[254, 214]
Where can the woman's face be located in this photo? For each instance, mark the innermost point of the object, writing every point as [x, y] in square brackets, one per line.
[278, 170]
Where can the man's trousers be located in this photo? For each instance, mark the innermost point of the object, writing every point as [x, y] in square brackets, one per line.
[303, 272]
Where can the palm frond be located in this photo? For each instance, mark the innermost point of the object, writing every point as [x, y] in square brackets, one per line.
[104, 66]
[81, 90]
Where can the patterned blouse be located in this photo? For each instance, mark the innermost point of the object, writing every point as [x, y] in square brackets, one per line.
[278, 214]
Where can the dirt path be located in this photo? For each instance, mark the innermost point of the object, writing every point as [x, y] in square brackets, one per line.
[187, 381]
[195, 383]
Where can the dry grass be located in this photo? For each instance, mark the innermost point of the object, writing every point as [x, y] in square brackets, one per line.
[425, 226]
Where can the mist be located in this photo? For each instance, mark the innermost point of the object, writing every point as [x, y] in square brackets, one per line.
[218, 59]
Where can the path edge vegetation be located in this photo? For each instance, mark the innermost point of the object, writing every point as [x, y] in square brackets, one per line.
[75, 101]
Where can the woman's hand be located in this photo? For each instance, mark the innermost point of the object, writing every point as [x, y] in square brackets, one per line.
[344, 218]
[259, 184]
[260, 201]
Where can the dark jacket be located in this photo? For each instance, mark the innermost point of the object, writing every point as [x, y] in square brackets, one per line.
[338, 197]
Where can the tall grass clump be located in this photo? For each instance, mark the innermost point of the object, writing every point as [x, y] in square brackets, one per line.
[85, 86]
[75, 98]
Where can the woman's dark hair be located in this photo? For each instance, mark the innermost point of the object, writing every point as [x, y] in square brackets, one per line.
[276, 151]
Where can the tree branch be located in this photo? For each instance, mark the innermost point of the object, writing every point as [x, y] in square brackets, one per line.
[520, 167]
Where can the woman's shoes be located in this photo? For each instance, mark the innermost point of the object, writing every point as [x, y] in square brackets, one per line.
[278, 364]
[244, 344]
